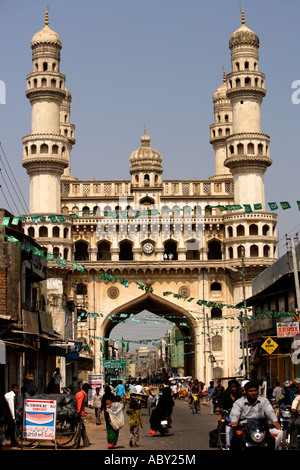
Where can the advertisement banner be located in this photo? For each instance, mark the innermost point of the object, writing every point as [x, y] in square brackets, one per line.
[94, 381]
[287, 329]
[39, 419]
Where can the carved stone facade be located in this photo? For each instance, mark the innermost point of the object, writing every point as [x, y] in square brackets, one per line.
[169, 235]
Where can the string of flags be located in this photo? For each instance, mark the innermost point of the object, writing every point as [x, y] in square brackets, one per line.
[58, 218]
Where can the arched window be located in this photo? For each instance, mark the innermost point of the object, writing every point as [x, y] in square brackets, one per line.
[55, 232]
[125, 251]
[230, 252]
[253, 251]
[170, 250]
[216, 313]
[43, 232]
[103, 252]
[44, 148]
[266, 230]
[253, 229]
[214, 250]
[215, 286]
[81, 251]
[217, 343]
[230, 232]
[240, 231]
[266, 251]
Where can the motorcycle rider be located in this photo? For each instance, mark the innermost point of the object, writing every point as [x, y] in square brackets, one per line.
[163, 410]
[225, 402]
[254, 406]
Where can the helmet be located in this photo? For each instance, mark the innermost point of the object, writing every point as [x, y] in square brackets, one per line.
[287, 383]
[297, 380]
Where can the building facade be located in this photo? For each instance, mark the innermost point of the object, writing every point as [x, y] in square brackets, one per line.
[184, 249]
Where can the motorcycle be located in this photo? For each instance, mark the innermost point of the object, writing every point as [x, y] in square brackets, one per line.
[223, 422]
[284, 418]
[253, 435]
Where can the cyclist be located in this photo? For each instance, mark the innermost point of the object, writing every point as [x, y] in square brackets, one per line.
[196, 389]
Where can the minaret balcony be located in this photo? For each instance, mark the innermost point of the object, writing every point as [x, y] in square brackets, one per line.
[46, 83]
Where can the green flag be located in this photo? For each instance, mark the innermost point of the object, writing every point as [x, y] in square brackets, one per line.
[257, 207]
[273, 206]
[298, 204]
[285, 205]
[5, 221]
[248, 208]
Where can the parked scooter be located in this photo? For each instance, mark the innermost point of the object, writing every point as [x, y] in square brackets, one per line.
[253, 435]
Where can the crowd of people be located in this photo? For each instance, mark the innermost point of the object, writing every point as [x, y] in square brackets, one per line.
[241, 400]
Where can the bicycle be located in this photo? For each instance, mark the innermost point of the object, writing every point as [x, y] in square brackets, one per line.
[195, 404]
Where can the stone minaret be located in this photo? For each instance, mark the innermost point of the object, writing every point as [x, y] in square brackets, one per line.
[45, 153]
[221, 129]
[247, 148]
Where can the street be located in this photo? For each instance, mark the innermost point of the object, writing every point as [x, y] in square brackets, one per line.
[188, 432]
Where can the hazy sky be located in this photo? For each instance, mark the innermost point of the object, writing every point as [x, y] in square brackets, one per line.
[135, 63]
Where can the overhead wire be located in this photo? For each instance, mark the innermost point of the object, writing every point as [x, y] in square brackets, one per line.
[15, 186]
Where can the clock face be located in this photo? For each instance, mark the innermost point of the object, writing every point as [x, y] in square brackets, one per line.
[148, 248]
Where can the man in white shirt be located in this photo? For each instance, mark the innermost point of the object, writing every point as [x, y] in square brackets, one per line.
[138, 389]
[10, 397]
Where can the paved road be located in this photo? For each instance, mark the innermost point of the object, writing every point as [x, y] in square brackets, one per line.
[189, 431]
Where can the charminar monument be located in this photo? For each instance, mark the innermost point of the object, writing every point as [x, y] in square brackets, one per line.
[186, 250]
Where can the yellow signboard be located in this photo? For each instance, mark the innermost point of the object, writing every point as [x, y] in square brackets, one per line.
[269, 345]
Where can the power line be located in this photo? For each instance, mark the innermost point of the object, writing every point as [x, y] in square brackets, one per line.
[24, 207]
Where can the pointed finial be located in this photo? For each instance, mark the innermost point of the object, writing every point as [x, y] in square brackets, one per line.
[47, 18]
[224, 75]
[243, 16]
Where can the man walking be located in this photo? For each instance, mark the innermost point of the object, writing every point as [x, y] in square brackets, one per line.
[10, 398]
[80, 398]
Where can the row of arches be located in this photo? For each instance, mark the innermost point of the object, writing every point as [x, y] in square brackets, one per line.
[254, 251]
[126, 251]
[249, 149]
[54, 149]
[48, 232]
[246, 82]
[251, 230]
[45, 82]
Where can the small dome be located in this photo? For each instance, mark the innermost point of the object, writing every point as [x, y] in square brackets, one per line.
[46, 35]
[221, 92]
[145, 153]
[243, 35]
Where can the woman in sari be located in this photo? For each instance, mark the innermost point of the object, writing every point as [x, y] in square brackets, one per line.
[107, 399]
[112, 435]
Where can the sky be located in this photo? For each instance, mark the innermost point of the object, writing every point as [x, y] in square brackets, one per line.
[156, 64]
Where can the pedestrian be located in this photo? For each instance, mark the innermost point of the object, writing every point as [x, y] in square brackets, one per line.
[57, 379]
[10, 398]
[295, 421]
[108, 395]
[138, 388]
[135, 421]
[211, 390]
[219, 389]
[112, 433]
[277, 392]
[120, 391]
[96, 404]
[80, 399]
